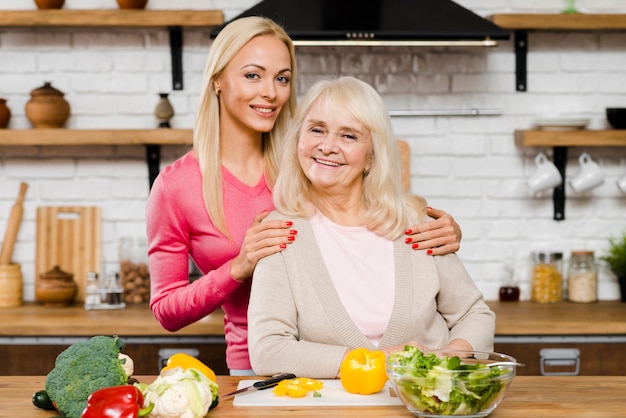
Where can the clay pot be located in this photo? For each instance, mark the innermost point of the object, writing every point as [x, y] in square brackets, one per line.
[5, 114]
[132, 4]
[49, 4]
[47, 108]
[164, 111]
[56, 288]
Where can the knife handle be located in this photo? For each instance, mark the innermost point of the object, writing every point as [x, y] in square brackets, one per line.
[273, 381]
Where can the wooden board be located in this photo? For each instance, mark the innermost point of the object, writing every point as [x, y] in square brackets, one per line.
[333, 394]
[69, 236]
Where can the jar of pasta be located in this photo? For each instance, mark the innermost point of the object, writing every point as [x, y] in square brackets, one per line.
[582, 278]
[547, 279]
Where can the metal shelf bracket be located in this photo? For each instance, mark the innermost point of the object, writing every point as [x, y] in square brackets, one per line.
[153, 158]
[558, 195]
[521, 52]
[176, 49]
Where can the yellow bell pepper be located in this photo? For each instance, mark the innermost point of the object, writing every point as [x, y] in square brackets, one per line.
[363, 371]
[186, 361]
[297, 388]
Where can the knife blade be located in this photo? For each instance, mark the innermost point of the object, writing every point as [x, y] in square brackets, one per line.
[263, 384]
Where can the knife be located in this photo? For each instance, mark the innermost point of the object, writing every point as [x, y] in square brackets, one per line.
[263, 384]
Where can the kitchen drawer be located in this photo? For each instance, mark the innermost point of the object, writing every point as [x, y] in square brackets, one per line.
[596, 358]
[37, 360]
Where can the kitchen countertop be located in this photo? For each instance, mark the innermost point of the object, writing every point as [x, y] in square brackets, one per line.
[528, 396]
[512, 318]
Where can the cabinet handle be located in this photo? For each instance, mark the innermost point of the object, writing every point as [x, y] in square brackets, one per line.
[559, 357]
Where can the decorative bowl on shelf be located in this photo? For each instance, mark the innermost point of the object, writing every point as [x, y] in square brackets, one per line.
[616, 117]
[132, 4]
[47, 108]
[49, 4]
[450, 383]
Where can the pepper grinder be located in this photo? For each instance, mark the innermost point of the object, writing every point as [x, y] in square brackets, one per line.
[164, 111]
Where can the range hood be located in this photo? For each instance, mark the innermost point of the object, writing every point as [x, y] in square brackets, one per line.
[378, 23]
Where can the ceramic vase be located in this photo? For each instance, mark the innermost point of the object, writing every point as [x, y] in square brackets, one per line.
[132, 4]
[164, 111]
[5, 114]
[56, 288]
[47, 108]
[49, 4]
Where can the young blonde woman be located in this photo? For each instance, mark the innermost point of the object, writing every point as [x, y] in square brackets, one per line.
[208, 205]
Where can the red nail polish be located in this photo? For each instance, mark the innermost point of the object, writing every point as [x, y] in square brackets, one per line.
[288, 223]
[408, 231]
[283, 246]
[415, 246]
[408, 240]
[291, 238]
[293, 232]
[429, 252]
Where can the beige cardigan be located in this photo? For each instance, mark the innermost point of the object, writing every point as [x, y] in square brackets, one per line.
[297, 323]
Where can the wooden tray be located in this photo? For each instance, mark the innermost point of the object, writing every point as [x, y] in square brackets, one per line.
[69, 236]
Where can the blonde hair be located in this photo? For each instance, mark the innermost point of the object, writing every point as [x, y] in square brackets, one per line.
[206, 134]
[389, 209]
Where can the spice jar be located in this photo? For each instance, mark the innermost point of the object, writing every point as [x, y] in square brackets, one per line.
[547, 279]
[134, 274]
[582, 278]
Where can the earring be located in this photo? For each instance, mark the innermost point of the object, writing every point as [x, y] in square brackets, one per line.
[217, 92]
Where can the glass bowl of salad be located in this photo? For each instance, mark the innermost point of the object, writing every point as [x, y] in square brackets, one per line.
[450, 383]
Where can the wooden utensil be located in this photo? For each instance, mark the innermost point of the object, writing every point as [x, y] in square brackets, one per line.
[13, 225]
[69, 237]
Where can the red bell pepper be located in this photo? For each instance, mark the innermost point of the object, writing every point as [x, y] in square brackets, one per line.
[124, 401]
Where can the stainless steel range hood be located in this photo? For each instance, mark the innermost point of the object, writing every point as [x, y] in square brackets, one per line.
[378, 23]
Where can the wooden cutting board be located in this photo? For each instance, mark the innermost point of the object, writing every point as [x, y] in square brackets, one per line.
[69, 236]
[333, 394]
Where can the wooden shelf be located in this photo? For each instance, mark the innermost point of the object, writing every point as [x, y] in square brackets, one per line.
[113, 17]
[580, 138]
[82, 137]
[560, 21]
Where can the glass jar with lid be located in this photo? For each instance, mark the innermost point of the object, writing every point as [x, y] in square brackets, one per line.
[582, 278]
[547, 278]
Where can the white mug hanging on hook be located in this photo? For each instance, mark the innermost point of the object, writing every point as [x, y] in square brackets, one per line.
[589, 176]
[546, 176]
[621, 183]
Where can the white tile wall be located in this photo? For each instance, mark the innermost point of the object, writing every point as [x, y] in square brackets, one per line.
[469, 166]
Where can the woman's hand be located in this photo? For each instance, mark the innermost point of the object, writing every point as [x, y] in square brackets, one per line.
[438, 237]
[261, 240]
[393, 349]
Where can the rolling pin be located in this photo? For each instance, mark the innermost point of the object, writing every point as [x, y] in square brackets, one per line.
[13, 225]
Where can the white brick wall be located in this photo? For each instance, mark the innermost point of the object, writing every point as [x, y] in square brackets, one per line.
[469, 166]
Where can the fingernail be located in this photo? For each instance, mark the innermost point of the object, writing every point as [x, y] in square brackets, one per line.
[288, 223]
[429, 207]
[415, 246]
[283, 246]
[408, 231]
[291, 238]
[293, 232]
[408, 240]
[429, 252]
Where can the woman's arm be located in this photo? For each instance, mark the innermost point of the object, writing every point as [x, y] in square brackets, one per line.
[438, 237]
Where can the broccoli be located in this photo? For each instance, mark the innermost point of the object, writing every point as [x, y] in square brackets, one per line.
[83, 368]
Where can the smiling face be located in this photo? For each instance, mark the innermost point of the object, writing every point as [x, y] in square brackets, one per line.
[334, 150]
[254, 86]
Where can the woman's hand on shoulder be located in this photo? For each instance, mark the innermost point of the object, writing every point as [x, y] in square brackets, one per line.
[261, 240]
[438, 237]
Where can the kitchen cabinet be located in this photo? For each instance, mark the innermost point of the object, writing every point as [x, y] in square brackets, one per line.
[32, 336]
[174, 20]
[596, 330]
[521, 24]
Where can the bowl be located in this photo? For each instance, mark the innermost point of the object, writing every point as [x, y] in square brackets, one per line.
[616, 117]
[450, 383]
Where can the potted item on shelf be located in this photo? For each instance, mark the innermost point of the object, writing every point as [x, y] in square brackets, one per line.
[164, 111]
[616, 260]
[47, 108]
[49, 4]
[5, 113]
[132, 4]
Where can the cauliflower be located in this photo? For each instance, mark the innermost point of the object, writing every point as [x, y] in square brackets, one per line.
[180, 393]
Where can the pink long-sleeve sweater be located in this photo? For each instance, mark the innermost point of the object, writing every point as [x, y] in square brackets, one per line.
[178, 226]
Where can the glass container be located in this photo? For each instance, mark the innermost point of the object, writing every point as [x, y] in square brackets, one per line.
[582, 278]
[547, 277]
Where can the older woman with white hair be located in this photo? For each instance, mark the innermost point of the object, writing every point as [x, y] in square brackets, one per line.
[349, 280]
